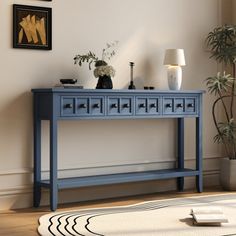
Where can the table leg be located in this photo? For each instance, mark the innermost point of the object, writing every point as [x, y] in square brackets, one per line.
[180, 180]
[53, 165]
[199, 182]
[37, 162]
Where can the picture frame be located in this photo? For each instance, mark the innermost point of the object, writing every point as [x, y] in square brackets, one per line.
[32, 27]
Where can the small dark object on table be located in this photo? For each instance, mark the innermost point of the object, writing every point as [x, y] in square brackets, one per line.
[151, 87]
[131, 86]
[68, 81]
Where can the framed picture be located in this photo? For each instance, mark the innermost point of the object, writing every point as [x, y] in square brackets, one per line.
[32, 27]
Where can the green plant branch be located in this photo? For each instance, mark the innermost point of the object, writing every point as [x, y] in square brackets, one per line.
[227, 149]
[90, 57]
[216, 124]
[232, 92]
[224, 106]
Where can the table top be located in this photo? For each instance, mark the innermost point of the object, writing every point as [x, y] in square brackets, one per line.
[114, 91]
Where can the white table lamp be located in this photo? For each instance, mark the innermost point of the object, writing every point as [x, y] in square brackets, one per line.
[174, 59]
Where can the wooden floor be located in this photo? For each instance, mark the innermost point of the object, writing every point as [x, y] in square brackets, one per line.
[25, 222]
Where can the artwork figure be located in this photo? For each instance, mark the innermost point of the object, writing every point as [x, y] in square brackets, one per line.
[34, 29]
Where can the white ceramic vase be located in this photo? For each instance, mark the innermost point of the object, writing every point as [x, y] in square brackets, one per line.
[174, 75]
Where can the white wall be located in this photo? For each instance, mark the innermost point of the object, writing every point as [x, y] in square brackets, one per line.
[144, 28]
[234, 11]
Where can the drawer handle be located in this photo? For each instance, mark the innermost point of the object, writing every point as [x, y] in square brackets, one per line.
[69, 105]
[153, 105]
[190, 105]
[142, 105]
[180, 105]
[96, 105]
[126, 105]
[83, 106]
[168, 105]
[114, 105]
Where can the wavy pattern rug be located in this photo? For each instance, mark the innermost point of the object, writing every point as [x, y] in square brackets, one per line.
[153, 218]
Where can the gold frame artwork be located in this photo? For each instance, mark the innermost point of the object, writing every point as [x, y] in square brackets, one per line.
[32, 27]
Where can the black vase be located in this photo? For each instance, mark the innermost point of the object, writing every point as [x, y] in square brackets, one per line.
[104, 82]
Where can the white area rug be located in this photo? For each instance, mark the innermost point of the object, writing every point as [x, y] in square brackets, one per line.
[159, 218]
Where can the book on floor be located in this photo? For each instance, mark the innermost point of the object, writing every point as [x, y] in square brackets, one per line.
[208, 215]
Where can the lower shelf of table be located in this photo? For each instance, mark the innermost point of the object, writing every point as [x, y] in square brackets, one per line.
[120, 178]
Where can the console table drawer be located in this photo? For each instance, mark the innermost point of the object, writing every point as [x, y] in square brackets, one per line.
[82, 106]
[179, 106]
[68, 106]
[97, 106]
[120, 106]
[191, 105]
[147, 106]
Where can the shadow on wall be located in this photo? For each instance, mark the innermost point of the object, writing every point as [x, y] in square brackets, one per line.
[145, 56]
[16, 124]
[144, 75]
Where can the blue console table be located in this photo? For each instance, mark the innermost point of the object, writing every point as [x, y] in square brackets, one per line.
[55, 104]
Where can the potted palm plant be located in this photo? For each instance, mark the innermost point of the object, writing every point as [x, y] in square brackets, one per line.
[222, 44]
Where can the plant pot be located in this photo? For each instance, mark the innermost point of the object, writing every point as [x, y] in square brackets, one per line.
[104, 82]
[228, 174]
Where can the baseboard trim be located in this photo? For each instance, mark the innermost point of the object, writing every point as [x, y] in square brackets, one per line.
[21, 196]
[16, 190]
[112, 165]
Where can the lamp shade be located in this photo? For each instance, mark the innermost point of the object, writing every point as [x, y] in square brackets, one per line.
[174, 57]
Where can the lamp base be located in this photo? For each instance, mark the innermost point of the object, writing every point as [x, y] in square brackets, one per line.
[174, 74]
[131, 86]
